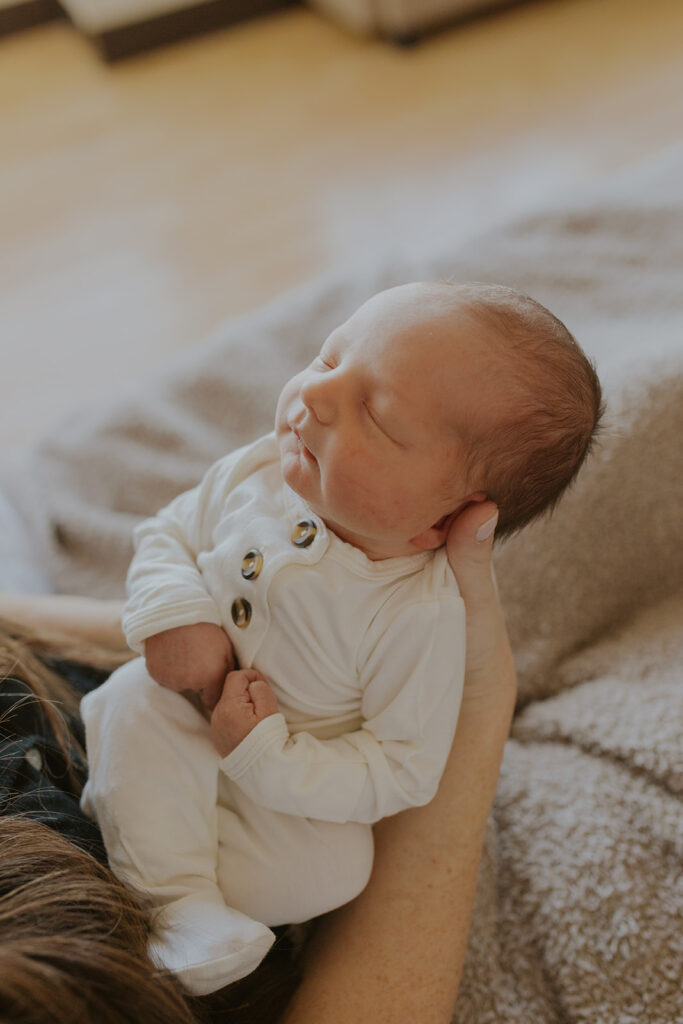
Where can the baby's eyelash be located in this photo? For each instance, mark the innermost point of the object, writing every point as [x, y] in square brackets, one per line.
[380, 427]
[373, 417]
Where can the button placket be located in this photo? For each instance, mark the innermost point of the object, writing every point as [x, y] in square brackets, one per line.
[241, 610]
[253, 566]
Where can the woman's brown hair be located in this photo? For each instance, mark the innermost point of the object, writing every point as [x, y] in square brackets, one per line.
[73, 939]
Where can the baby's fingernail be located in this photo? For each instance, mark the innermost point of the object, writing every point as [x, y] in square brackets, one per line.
[487, 528]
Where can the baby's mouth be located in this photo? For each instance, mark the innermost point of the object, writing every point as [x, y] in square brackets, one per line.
[302, 445]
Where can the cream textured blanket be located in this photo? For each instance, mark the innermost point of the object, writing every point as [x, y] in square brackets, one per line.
[580, 906]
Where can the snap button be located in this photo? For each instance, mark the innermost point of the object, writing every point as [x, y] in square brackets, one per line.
[241, 612]
[304, 533]
[252, 563]
[34, 758]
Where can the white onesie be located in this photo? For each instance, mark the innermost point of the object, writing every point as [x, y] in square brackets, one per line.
[366, 659]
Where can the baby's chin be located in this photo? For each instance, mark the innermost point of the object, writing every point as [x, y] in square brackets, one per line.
[295, 473]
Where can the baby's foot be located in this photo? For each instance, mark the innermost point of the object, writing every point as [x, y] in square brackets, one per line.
[207, 944]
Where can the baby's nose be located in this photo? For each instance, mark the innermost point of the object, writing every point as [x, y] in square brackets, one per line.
[319, 396]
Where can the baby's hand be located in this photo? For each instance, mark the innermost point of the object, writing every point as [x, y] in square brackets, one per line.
[246, 700]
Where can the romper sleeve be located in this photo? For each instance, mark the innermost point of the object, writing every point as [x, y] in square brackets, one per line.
[164, 587]
[413, 673]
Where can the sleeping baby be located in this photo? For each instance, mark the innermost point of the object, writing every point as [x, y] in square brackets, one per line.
[301, 596]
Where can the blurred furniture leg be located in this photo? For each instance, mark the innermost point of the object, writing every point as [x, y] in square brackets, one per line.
[121, 28]
[17, 15]
[402, 21]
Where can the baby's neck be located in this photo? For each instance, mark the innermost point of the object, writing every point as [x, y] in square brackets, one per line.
[375, 550]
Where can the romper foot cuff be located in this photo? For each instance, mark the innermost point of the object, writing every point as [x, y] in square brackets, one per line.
[207, 944]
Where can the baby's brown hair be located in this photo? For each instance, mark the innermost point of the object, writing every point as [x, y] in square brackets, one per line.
[528, 460]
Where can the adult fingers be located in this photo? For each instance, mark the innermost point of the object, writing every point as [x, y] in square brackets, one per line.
[469, 545]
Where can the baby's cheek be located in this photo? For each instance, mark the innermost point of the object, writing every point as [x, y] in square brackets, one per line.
[368, 496]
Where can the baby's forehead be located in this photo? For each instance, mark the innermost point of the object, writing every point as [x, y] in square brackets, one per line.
[416, 313]
[414, 305]
[451, 334]
[492, 305]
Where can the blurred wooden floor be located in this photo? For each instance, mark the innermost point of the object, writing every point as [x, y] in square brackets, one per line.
[140, 204]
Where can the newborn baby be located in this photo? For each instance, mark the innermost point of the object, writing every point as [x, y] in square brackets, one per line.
[303, 592]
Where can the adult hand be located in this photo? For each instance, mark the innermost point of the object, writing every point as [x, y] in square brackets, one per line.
[489, 666]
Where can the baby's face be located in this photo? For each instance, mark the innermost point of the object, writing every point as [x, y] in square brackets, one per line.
[368, 433]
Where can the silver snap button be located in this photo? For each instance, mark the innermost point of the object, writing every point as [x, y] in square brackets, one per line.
[34, 758]
[252, 563]
[304, 533]
[241, 612]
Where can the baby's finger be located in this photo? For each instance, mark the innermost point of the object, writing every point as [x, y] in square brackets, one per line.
[236, 685]
[252, 675]
[264, 700]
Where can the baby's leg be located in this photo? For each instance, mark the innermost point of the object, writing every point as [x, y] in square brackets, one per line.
[282, 869]
[153, 789]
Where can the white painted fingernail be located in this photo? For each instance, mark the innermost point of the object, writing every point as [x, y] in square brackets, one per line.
[487, 528]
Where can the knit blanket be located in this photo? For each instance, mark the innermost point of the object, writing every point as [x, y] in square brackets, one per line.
[580, 902]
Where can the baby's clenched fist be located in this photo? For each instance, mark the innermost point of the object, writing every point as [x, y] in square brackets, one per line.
[245, 701]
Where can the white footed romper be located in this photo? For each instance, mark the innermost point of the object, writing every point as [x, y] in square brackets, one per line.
[367, 662]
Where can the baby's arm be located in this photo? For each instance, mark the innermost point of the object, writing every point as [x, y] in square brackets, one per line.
[170, 617]
[410, 706]
[195, 658]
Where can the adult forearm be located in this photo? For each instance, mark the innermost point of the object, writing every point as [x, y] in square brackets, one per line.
[81, 618]
[396, 953]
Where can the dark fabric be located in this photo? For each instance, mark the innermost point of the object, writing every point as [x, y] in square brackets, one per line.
[35, 777]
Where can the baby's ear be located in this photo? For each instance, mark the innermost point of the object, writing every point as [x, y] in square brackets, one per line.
[436, 535]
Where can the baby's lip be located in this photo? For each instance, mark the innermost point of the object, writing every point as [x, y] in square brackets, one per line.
[297, 433]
